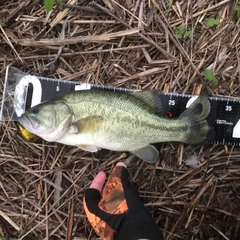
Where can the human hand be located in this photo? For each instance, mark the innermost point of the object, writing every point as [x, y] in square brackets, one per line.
[119, 212]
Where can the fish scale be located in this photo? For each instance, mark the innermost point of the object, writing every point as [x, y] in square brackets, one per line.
[224, 118]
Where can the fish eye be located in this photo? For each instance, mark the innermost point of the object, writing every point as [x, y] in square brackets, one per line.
[36, 109]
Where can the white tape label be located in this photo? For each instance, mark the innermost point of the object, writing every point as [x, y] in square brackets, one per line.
[83, 86]
[236, 130]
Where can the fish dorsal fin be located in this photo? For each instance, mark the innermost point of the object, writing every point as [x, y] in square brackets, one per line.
[86, 125]
[151, 98]
[88, 148]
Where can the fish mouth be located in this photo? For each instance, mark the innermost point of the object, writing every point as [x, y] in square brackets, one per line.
[26, 122]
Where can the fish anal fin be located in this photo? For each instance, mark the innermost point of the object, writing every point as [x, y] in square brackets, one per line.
[148, 154]
[151, 98]
[87, 125]
[88, 147]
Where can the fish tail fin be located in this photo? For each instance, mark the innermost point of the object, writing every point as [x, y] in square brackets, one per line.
[196, 115]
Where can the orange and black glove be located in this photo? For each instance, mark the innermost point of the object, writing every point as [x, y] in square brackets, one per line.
[119, 213]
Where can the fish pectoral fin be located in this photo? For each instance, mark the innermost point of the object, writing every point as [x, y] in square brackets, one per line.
[73, 129]
[88, 148]
[152, 99]
[86, 125]
[148, 154]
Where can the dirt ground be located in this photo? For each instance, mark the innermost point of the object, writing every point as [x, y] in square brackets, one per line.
[132, 44]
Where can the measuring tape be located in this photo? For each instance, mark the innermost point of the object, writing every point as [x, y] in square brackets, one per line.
[224, 117]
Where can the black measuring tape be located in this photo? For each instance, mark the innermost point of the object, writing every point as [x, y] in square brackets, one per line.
[224, 117]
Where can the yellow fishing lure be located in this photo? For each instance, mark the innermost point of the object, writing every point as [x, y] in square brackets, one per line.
[28, 136]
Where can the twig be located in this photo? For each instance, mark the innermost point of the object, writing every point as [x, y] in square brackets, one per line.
[150, 41]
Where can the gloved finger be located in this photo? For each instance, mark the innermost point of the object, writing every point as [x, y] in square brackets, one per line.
[98, 181]
[130, 192]
[126, 184]
[124, 178]
[134, 189]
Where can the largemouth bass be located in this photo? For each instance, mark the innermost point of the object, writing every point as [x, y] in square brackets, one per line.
[95, 119]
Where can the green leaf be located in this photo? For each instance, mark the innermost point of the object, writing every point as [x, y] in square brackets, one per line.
[212, 22]
[237, 8]
[181, 32]
[181, 29]
[187, 33]
[48, 4]
[177, 35]
[169, 3]
[208, 74]
[3, 26]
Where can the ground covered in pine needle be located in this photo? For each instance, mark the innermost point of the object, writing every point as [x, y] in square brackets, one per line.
[131, 44]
